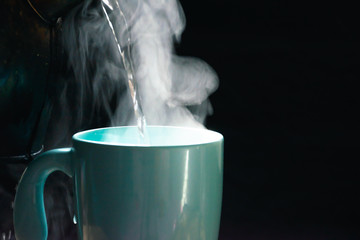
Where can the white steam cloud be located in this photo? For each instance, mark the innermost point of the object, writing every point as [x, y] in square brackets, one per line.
[172, 90]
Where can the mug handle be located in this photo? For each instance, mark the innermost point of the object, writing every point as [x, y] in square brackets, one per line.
[29, 212]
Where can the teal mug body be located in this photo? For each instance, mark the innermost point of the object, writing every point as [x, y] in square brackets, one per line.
[167, 189]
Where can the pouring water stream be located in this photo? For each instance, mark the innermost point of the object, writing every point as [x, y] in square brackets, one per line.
[125, 57]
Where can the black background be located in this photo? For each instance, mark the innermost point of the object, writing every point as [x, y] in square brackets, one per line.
[287, 106]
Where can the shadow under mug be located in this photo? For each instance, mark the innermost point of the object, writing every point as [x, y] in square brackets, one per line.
[169, 189]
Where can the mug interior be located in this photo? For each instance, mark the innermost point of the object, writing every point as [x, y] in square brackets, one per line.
[155, 136]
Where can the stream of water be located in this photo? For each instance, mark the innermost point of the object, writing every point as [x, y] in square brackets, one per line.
[125, 58]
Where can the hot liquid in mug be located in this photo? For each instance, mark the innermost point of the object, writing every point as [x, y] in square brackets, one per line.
[170, 189]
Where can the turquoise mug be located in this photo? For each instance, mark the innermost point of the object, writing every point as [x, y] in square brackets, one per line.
[169, 189]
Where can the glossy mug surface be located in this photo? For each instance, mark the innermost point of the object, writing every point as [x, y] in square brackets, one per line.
[170, 189]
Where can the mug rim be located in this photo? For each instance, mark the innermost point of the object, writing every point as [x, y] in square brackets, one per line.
[214, 138]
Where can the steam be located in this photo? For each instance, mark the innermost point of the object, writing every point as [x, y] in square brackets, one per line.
[172, 90]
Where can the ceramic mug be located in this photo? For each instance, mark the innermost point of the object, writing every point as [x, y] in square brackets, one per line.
[168, 189]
